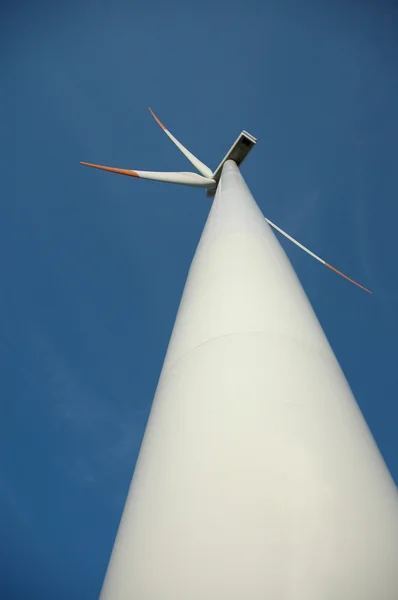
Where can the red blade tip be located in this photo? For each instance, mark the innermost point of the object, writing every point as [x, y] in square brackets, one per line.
[348, 278]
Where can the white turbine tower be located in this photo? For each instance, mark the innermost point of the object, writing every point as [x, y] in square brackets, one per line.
[258, 477]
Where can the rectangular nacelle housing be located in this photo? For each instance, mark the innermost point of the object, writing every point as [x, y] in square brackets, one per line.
[238, 152]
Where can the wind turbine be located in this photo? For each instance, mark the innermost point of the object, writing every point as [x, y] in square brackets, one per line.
[209, 179]
[257, 476]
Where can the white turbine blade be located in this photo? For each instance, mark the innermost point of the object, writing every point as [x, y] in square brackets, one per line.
[192, 179]
[201, 167]
[315, 256]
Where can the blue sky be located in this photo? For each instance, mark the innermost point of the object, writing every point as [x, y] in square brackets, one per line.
[93, 264]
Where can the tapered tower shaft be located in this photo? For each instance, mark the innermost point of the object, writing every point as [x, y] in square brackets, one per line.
[258, 477]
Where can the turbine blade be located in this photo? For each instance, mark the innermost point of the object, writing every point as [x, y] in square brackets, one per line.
[201, 167]
[192, 179]
[112, 169]
[315, 256]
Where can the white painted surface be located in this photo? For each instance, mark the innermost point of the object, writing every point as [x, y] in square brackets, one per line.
[258, 478]
[201, 167]
[192, 179]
